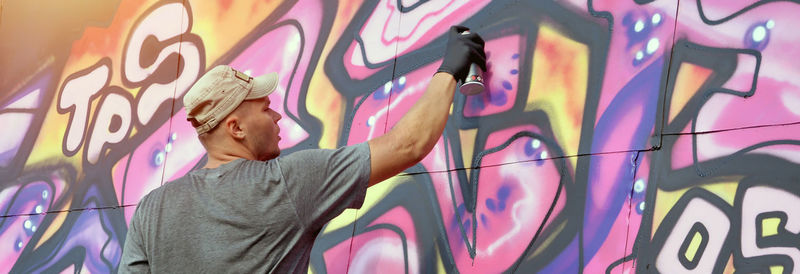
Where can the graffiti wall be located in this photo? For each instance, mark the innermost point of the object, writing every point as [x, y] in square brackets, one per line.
[614, 136]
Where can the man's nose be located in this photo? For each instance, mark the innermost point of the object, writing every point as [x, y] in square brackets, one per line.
[277, 116]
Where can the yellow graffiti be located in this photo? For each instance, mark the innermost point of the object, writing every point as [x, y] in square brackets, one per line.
[769, 226]
[558, 85]
[694, 245]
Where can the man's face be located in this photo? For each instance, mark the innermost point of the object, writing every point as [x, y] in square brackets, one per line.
[260, 124]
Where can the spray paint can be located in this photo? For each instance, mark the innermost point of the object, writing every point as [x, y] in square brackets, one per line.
[473, 84]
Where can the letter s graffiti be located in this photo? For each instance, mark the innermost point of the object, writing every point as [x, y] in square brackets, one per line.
[156, 45]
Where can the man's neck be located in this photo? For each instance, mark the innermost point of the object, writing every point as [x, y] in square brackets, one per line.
[218, 156]
[217, 162]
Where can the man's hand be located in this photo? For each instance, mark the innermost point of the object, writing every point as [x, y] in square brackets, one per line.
[461, 51]
[415, 135]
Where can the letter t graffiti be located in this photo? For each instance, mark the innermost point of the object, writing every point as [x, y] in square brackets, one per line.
[75, 98]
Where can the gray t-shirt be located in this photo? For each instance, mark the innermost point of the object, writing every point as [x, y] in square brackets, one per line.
[245, 216]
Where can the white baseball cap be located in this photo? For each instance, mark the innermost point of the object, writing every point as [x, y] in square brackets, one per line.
[218, 92]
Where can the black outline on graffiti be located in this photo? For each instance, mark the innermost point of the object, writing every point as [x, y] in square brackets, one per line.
[700, 229]
[46, 256]
[46, 93]
[737, 13]
[676, 211]
[619, 262]
[730, 168]
[421, 213]
[94, 186]
[772, 171]
[527, 17]
[782, 178]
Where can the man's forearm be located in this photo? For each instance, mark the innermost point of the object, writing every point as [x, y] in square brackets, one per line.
[417, 132]
[424, 123]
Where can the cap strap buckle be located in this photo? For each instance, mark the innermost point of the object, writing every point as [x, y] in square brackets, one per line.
[242, 76]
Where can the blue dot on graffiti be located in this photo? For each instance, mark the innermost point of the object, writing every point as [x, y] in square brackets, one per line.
[638, 186]
[640, 207]
[531, 146]
[158, 158]
[401, 84]
[499, 98]
[503, 192]
[507, 85]
[757, 35]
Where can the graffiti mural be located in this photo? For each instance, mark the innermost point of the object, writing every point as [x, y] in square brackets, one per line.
[613, 136]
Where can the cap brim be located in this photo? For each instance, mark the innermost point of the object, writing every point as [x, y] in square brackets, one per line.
[263, 86]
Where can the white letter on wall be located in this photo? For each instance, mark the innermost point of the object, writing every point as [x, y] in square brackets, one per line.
[76, 97]
[112, 124]
[163, 23]
[762, 199]
[698, 213]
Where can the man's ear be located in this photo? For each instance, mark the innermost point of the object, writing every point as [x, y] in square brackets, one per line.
[232, 126]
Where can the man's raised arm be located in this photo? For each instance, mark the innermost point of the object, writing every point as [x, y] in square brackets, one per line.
[415, 135]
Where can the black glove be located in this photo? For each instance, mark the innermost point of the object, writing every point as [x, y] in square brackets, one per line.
[462, 50]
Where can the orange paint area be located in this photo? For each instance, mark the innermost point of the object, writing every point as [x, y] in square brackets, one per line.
[688, 81]
[328, 105]
[221, 24]
[558, 84]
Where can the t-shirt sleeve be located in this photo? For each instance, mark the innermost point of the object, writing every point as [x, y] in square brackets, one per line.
[134, 257]
[324, 182]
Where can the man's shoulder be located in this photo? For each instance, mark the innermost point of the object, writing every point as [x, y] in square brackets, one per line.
[177, 182]
[318, 153]
[156, 193]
